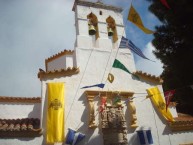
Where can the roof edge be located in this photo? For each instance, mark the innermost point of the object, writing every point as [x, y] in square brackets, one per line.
[64, 52]
[96, 5]
[149, 77]
[185, 125]
[64, 72]
[20, 99]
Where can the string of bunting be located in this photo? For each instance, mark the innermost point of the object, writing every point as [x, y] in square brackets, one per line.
[116, 64]
[168, 95]
[134, 17]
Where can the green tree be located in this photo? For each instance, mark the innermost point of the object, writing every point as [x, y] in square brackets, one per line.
[173, 42]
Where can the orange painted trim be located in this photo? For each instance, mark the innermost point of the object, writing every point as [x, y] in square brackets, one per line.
[149, 77]
[184, 125]
[20, 99]
[63, 72]
[62, 53]
[16, 134]
[109, 93]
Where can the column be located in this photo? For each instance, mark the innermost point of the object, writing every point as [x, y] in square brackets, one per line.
[92, 123]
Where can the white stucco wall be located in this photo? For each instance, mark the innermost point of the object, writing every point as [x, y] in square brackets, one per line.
[19, 110]
[62, 62]
[22, 141]
[173, 111]
[95, 62]
[95, 65]
[84, 39]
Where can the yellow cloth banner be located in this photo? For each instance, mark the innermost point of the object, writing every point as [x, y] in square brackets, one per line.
[55, 113]
[159, 102]
[134, 17]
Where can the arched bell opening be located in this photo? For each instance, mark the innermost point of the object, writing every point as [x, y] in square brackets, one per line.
[111, 28]
[93, 25]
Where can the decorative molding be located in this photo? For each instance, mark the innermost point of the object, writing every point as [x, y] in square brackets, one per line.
[104, 120]
[133, 114]
[149, 77]
[114, 127]
[96, 5]
[92, 123]
[181, 125]
[20, 99]
[92, 93]
[62, 53]
[108, 93]
[63, 72]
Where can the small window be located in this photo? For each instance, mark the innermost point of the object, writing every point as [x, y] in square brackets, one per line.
[100, 13]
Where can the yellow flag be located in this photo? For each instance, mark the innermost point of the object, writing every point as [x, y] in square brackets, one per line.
[55, 113]
[159, 102]
[134, 17]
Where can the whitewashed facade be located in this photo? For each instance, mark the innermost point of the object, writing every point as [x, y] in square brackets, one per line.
[90, 63]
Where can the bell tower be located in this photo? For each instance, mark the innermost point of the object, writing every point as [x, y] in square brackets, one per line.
[97, 25]
[99, 29]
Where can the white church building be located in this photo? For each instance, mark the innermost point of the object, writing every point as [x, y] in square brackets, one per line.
[99, 29]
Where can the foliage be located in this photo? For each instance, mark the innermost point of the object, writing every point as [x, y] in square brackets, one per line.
[173, 43]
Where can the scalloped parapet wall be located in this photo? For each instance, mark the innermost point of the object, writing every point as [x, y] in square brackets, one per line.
[149, 77]
[62, 72]
[61, 60]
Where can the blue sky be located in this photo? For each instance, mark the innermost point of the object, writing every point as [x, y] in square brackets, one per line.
[33, 30]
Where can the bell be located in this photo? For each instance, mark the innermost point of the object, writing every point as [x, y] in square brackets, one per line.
[92, 30]
[110, 32]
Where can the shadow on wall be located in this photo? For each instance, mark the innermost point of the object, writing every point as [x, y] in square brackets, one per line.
[167, 129]
[128, 116]
[35, 113]
[83, 126]
[132, 136]
[43, 121]
[84, 123]
[133, 140]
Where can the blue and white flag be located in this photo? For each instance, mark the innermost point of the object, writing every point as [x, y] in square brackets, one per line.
[145, 137]
[125, 43]
[73, 137]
